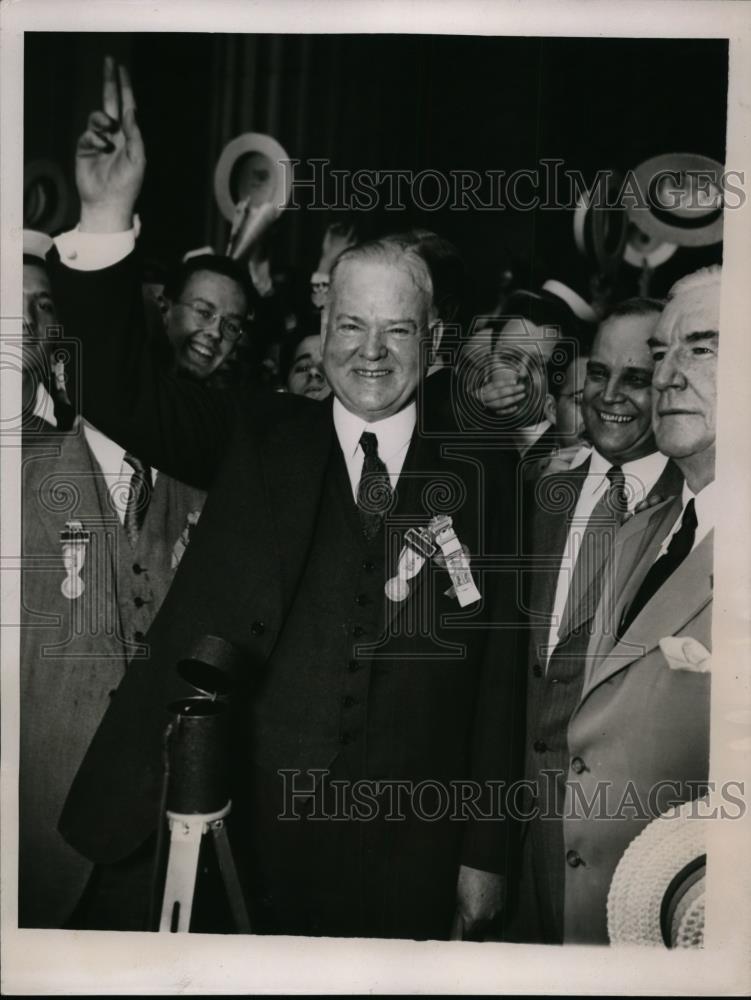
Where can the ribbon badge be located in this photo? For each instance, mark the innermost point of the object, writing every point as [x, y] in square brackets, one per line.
[421, 544]
[418, 547]
[74, 540]
[455, 557]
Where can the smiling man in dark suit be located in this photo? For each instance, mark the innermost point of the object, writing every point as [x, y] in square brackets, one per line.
[365, 669]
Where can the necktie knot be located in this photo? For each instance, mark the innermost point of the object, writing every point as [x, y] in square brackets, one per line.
[369, 444]
[689, 521]
[136, 464]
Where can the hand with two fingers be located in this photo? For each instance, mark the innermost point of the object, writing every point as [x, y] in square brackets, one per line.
[110, 159]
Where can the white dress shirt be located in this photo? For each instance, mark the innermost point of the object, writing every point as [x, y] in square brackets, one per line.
[394, 434]
[640, 477]
[92, 251]
[706, 515]
[110, 458]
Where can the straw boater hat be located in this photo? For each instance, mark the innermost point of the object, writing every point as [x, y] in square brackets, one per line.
[234, 151]
[678, 199]
[601, 224]
[658, 889]
[46, 196]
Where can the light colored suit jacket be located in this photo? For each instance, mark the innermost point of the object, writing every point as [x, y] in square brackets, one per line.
[639, 737]
[74, 652]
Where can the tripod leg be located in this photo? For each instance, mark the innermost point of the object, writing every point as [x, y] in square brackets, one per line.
[182, 867]
[229, 877]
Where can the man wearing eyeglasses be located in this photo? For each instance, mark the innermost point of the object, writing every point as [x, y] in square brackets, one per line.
[387, 670]
[574, 520]
[205, 309]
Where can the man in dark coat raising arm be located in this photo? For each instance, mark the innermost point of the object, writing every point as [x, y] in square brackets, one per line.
[365, 666]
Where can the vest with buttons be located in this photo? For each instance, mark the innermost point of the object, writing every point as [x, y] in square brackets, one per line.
[313, 702]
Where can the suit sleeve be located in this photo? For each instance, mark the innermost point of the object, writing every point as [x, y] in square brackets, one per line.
[498, 730]
[172, 424]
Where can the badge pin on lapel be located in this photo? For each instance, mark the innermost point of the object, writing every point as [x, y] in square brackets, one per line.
[74, 540]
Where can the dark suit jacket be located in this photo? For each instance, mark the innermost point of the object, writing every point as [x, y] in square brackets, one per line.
[265, 459]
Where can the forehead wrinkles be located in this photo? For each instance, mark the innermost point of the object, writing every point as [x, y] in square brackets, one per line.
[405, 261]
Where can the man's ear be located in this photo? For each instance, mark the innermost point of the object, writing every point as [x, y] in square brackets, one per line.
[550, 410]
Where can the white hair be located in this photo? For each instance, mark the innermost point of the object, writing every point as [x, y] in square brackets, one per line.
[704, 278]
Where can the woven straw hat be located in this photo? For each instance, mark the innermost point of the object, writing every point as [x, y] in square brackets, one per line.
[658, 889]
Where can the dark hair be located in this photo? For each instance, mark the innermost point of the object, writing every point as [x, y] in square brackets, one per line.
[217, 264]
[290, 344]
[639, 305]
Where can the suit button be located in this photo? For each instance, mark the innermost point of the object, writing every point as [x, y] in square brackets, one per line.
[345, 738]
[578, 765]
[537, 670]
[348, 701]
[139, 602]
[357, 631]
[361, 600]
[257, 628]
[138, 636]
[353, 665]
[573, 859]
[137, 569]
[368, 566]
[540, 746]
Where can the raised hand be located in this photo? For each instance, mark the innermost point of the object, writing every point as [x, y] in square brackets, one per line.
[110, 158]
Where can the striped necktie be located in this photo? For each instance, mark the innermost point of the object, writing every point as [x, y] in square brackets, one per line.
[139, 496]
[374, 493]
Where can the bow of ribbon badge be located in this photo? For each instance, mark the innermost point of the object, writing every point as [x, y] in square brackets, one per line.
[73, 539]
[423, 543]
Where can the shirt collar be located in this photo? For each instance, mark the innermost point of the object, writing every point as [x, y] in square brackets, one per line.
[43, 406]
[108, 453]
[641, 474]
[392, 432]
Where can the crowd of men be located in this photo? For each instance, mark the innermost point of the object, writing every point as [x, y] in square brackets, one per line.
[454, 568]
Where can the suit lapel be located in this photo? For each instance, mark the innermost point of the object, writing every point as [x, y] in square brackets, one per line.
[682, 596]
[294, 458]
[668, 486]
[550, 535]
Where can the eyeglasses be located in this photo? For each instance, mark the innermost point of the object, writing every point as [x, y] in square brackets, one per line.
[230, 327]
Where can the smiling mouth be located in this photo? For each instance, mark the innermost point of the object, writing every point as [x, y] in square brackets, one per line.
[614, 418]
[368, 373]
[203, 352]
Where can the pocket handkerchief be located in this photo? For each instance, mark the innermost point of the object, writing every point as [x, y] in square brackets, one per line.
[684, 653]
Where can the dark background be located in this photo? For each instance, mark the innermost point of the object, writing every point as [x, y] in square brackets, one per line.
[379, 102]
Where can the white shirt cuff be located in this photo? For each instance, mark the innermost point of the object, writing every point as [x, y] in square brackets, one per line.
[94, 251]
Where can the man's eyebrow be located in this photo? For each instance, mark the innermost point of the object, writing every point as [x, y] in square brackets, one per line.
[655, 342]
[698, 335]
[302, 357]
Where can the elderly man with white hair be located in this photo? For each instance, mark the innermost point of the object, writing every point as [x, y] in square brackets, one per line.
[639, 737]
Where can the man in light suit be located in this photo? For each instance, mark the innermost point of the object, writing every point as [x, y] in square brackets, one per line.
[575, 516]
[363, 671]
[638, 740]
